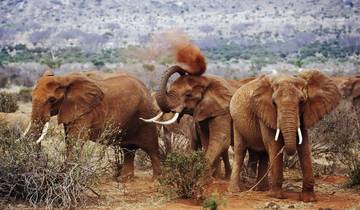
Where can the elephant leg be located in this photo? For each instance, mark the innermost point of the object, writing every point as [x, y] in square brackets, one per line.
[262, 169]
[225, 158]
[127, 171]
[276, 161]
[147, 139]
[155, 162]
[219, 140]
[239, 155]
[304, 152]
[217, 170]
[252, 162]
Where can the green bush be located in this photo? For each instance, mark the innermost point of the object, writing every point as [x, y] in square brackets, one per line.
[354, 176]
[8, 102]
[214, 202]
[183, 174]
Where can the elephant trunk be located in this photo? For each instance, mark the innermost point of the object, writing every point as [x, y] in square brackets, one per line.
[162, 96]
[39, 124]
[288, 124]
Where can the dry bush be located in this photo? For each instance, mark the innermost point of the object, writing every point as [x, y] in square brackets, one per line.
[24, 95]
[8, 102]
[183, 175]
[45, 178]
[336, 138]
[354, 176]
[168, 142]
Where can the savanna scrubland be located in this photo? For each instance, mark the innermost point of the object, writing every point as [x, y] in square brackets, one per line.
[237, 45]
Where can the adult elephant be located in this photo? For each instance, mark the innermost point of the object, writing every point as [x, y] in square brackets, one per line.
[87, 106]
[207, 99]
[272, 112]
[349, 87]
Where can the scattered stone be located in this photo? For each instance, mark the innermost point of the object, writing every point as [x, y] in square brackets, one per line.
[271, 205]
[325, 209]
[292, 206]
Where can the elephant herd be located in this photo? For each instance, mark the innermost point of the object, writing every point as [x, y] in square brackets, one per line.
[263, 116]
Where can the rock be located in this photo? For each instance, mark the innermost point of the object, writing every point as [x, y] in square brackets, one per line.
[271, 205]
[292, 206]
[325, 209]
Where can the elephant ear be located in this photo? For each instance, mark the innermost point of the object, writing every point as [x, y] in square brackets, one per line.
[356, 87]
[322, 96]
[261, 102]
[81, 96]
[215, 101]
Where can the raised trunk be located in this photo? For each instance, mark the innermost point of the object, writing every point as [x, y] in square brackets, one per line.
[289, 125]
[162, 97]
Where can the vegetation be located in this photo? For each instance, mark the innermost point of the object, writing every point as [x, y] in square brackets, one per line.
[183, 175]
[24, 95]
[214, 202]
[338, 133]
[44, 178]
[8, 102]
[354, 176]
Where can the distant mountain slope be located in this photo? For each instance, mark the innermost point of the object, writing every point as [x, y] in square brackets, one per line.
[114, 23]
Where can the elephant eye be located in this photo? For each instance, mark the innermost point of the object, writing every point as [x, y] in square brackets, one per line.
[188, 95]
[52, 99]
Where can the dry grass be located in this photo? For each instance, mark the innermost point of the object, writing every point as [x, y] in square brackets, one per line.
[336, 138]
[8, 102]
[45, 178]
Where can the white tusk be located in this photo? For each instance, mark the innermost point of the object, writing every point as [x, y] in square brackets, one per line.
[43, 133]
[152, 119]
[27, 129]
[171, 121]
[300, 136]
[277, 134]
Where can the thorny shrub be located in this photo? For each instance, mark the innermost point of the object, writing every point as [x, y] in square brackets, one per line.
[354, 176]
[46, 178]
[8, 102]
[337, 137]
[183, 174]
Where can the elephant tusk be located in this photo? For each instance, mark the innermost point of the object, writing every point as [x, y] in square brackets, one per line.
[27, 129]
[300, 136]
[277, 134]
[152, 119]
[43, 133]
[171, 121]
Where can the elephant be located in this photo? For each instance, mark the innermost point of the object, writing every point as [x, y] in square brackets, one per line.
[272, 113]
[206, 99]
[349, 87]
[86, 106]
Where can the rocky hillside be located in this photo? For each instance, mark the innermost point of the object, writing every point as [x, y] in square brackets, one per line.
[118, 23]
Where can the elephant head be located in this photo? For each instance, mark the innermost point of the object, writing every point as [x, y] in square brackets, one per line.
[69, 97]
[291, 103]
[348, 86]
[200, 96]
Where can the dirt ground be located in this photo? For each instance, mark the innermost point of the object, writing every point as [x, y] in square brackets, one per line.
[142, 193]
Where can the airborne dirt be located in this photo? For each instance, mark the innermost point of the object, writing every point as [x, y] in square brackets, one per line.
[143, 193]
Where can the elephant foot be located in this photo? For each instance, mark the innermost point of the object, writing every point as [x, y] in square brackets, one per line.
[307, 196]
[126, 177]
[279, 194]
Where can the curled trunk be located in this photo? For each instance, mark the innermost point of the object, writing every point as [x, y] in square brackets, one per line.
[162, 97]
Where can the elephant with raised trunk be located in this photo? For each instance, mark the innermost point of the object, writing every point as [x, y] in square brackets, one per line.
[274, 112]
[207, 99]
[87, 105]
